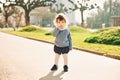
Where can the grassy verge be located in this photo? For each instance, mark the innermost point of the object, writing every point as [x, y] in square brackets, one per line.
[78, 36]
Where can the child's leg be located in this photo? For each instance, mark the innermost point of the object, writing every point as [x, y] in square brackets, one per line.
[65, 59]
[57, 56]
[65, 67]
[56, 62]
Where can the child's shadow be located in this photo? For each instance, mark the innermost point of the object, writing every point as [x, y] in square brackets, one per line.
[50, 76]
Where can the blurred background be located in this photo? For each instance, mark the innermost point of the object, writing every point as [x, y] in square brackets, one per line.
[92, 14]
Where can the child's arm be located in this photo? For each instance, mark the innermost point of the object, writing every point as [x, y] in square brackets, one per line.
[55, 32]
[70, 41]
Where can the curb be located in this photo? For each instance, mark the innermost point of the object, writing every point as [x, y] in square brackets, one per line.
[100, 53]
[81, 49]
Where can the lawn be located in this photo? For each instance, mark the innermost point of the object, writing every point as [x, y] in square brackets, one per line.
[78, 35]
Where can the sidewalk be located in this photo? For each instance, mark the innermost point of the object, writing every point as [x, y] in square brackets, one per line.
[24, 59]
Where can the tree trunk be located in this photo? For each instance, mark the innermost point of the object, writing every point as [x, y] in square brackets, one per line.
[110, 12]
[27, 17]
[6, 18]
[82, 18]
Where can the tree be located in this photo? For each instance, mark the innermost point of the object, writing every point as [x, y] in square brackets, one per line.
[29, 5]
[1, 19]
[15, 19]
[82, 6]
[0, 10]
[104, 15]
[8, 11]
[11, 16]
[59, 8]
[116, 8]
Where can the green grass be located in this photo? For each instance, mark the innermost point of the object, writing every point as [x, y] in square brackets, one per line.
[78, 36]
[78, 41]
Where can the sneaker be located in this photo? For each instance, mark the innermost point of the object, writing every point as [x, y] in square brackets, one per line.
[54, 67]
[65, 68]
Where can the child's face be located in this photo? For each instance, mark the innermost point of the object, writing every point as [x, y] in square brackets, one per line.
[61, 24]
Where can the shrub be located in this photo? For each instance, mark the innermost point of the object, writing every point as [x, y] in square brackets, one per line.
[116, 42]
[48, 33]
[31, 29]
[92, 39]
[28, 29]
[106, 36]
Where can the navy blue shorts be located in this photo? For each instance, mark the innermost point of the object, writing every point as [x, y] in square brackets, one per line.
[61, 50]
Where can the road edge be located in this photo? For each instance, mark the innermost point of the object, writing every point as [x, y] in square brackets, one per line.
[81, 49]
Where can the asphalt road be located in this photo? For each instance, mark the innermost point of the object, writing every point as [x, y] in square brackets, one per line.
[24, 59]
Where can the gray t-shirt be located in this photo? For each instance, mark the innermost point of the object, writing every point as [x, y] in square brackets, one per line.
[63, 38]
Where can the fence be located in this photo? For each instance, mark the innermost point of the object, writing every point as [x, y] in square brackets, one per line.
[115, 21]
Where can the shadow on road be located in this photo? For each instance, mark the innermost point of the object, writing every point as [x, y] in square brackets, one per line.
[50, 76]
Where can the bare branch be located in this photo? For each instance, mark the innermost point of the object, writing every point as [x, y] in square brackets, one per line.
[71, 1]
[28, 2]
[0, 2]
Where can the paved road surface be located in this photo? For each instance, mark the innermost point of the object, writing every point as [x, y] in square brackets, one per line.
[24, 59]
